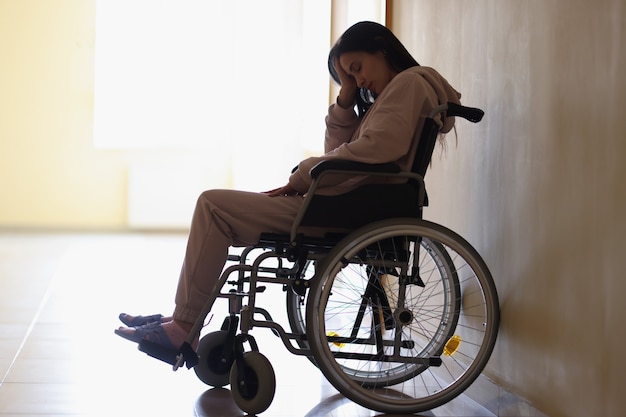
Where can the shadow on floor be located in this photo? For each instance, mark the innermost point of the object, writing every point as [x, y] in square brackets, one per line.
[219, 402]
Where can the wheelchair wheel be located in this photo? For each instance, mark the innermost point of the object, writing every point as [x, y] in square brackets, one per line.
[296, 311]
[209, 369]
[296, 307]
[402, 316]
[296, 314]
[260, 383]
[373, 377]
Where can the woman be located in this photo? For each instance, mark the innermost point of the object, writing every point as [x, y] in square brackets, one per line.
[392, 95]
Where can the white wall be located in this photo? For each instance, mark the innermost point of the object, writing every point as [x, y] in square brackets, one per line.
[539, 186]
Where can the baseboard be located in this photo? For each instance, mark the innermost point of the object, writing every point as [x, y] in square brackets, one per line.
[500, 401]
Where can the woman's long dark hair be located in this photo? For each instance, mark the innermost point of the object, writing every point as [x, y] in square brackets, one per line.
[370, 37]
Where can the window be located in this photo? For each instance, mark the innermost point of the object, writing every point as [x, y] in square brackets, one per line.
[197, 73]
[206, 94]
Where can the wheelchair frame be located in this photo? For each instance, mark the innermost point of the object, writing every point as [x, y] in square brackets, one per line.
[401, 314]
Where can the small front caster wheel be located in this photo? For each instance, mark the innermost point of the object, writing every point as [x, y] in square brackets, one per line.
[255, 391]
[213, 368]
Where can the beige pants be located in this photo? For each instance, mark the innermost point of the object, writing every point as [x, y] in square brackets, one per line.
[225, 218]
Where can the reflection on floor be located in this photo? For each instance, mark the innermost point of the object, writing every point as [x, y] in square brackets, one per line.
[58, 355]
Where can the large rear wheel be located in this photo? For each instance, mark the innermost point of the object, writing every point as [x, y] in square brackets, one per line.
[402, 316]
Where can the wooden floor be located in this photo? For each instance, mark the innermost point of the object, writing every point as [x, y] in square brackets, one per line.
[59, 300]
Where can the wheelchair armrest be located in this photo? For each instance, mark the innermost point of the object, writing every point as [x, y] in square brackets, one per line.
[347, 165]
[343, 167]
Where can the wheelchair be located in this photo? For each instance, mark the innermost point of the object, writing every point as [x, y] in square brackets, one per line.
[399, 314]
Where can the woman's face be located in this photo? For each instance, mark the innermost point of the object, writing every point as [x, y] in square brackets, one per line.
[371, 71]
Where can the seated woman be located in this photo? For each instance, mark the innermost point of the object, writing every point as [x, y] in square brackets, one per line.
[384, 99]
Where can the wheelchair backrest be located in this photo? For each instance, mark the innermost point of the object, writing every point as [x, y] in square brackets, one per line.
[430, 132]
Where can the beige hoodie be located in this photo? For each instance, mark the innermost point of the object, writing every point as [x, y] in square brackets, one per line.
[391, 128]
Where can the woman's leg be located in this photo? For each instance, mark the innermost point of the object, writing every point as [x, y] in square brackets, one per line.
[222, 218]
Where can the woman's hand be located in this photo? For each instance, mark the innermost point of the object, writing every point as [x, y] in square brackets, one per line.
[348, 87]
[282, 191]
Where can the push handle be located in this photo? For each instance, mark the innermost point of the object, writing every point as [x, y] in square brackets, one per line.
[472, 114]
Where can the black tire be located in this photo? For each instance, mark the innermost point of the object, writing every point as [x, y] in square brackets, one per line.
[296, 311]
[296, 308]
[260, 383]
[210, 350]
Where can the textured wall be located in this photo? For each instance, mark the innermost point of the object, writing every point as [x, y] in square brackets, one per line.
[539, 186]
[50, 173]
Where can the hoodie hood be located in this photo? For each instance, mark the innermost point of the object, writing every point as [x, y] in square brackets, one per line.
[444, 91]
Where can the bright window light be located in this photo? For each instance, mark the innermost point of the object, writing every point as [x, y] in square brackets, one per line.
[211, 94]
[202, 73]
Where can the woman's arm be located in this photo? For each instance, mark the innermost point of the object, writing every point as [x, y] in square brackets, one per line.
[342, 120]
[387, 132]
[340, 126]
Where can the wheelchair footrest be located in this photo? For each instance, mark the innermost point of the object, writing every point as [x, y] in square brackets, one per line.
[185, 355]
